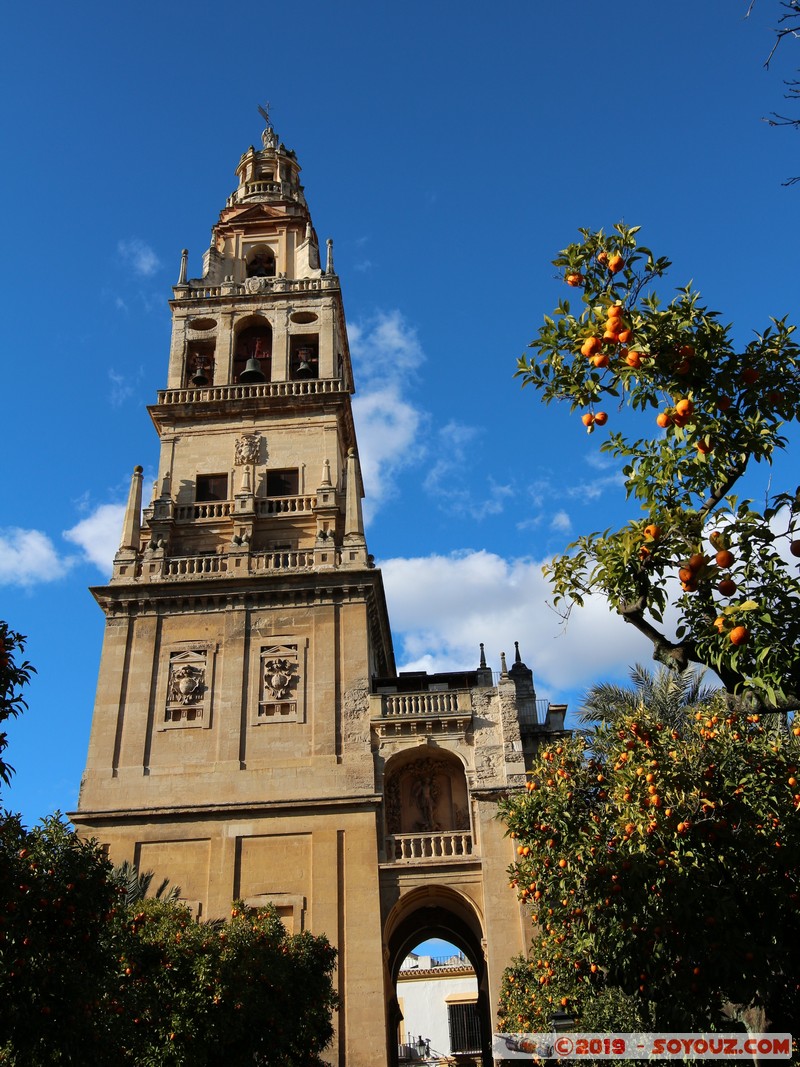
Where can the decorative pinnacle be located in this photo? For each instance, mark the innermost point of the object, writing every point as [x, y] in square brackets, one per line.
[483, 657]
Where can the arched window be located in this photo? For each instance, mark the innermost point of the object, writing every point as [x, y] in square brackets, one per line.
[261, 264]
[253, 342]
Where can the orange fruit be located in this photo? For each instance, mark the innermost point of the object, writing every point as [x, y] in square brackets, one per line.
[591, 345]
[724, 558]
[601, 360]
[602, 257]
[739, 635]
[625, 336]
[663, 420]
[574, 279]
[794, 548]
[704, 445]
[615, 311]
[696, 561]
[612, 330]
[615, 263]
[683, 367]
[686, 574]
[719, 624]
[727, 586]
[750, 375]
[680, 420]
[633, 359]
[652, 531]
[724, 403]
[601, 418]
[684, 407]
[587, 419]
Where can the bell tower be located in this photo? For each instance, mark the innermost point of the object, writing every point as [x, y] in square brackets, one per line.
[251, 737]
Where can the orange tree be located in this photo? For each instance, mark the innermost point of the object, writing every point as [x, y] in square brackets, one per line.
[237, 992]
[13, 676]
[90, 976]
[710, 412]
[660, 869]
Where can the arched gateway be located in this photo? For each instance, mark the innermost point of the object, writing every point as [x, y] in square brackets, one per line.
[251, 736]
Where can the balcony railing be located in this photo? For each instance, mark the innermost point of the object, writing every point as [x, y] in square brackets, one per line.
[411, 848]
[444, 702]
[284, 505]
[265, 285]
[263, 390]
[219, 566]
[213, 509]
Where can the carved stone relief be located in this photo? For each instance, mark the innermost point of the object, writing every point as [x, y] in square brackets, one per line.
[246, 449]
[186, 686]
[428, 795]
[279, 681]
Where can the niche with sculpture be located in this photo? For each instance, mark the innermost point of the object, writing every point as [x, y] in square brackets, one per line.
[426, 794]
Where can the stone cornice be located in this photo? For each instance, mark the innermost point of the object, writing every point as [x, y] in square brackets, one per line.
[241, 809]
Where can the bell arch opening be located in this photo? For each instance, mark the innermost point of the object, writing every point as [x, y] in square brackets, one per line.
[427, 810]
[253, 343]
[436, 911]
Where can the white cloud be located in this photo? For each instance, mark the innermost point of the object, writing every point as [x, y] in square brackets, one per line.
[388, 427]
[139, 256]
[561, 521]
[442, 607]
[99, 534]
[387, 353]
[28, 557]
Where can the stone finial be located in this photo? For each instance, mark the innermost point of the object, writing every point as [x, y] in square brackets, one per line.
[326, 475]
[329, 260]
[503, 667]
[132, 523]
[517, 657]
[184, 262]
[483, 658]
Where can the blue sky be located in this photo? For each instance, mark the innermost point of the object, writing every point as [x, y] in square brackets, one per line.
[450, 150]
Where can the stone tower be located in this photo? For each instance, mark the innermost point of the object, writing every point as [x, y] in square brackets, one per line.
[251, 737]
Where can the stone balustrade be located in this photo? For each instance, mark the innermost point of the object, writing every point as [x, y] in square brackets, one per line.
[212, 509]
[413, 848]
[282, 561]
[284, 505]
[265, 285]
[444, 702]
[194, 566]
[262, 390]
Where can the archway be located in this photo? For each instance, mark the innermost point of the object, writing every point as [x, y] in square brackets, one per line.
[440, 912]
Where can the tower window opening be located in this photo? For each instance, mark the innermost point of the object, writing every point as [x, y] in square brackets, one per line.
[211, 487]
[304, 356]
[283, 482]
[199, 364]
[255, 342]
[262, 264]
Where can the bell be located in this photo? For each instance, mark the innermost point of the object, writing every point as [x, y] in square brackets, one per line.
[252, 372]
[304, 369]
[200, 377]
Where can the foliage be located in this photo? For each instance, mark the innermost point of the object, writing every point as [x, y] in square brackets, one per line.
[56, 942]
[711, 413]
[88, 976]
[240, 992]
[661, 871]
[13, 676]
[667, 694]
[94, 971]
